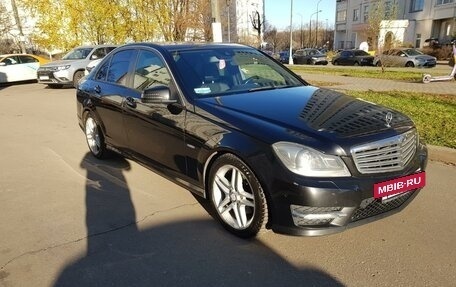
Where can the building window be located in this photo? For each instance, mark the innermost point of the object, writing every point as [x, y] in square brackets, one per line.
[341, 44]
[418, 41]
[417, 5]
[440, 2]
[448, 29]
[388, 9]
[341, 16]
[355, 15]
[366, 13]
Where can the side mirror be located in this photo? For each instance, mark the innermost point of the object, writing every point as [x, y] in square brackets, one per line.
[157, 95]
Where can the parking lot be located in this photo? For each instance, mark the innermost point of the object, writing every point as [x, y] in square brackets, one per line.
[71, 220]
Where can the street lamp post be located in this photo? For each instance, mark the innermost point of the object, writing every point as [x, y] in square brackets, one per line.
[290, 56]
[316, 25]
[310, 29]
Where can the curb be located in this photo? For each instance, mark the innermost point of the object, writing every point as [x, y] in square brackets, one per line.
[442, 154]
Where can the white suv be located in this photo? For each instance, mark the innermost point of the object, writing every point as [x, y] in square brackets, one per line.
[70, 69]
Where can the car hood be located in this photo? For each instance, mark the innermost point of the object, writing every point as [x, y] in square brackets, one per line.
[424, 57]
[62, 62]
[310, 115]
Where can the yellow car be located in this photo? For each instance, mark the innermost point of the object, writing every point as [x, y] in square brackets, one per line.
[19, 67]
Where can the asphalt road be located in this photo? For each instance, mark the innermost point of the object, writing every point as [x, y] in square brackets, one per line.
[70, 220]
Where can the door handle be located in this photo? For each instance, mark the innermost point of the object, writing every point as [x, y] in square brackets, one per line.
[97, 89]
[130, 102]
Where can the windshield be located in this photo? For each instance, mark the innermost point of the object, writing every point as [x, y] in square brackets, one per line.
[222, 71]
[413, 52]
[77, 54]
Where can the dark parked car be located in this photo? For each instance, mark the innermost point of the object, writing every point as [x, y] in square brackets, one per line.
[404, 57]
[310, 57]
[353, 58]
[262, 145]
[284, 57]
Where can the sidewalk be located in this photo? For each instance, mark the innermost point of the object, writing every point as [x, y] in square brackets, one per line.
[364, 84]
[436, 153]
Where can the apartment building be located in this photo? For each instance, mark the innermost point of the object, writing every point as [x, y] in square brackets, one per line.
[237, 18]
[415, 21]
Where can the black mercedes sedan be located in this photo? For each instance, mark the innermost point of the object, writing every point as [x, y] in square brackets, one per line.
[264, 147]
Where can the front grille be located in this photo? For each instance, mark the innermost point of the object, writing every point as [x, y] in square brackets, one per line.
[376, 207]
[391, 154]
[47, 69]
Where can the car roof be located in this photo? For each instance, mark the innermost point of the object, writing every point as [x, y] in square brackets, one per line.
[170, 47]
[20, 54]
[96, 46]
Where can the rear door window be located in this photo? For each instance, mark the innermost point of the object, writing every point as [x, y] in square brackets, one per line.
[118, 69]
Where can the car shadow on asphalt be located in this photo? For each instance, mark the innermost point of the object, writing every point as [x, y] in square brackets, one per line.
[194, 252]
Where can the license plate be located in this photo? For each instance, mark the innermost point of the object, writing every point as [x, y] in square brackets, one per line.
[394, 187]
[44, 77]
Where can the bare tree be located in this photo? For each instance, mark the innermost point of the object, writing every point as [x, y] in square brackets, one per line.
[257, 24]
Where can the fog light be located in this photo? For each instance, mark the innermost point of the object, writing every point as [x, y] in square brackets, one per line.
[311, 216]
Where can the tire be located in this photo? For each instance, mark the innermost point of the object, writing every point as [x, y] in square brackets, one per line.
[76, 77]
[55, 86]
[355, 64]
[426, 78]
[237, 197]
[335, 63]
[94, 137]
[378, 64]
[309, 62]
[409, 65]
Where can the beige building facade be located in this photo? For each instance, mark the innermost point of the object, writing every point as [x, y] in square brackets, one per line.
[415, 21]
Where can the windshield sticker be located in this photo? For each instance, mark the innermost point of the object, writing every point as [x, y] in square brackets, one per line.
[205, 90]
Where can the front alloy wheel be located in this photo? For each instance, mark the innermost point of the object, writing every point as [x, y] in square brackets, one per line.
[237, 197]
[94, 137]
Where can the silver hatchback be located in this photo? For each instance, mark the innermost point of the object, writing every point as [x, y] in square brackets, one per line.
[404, 57]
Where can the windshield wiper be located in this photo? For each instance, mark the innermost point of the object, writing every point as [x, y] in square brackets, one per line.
[265, 88]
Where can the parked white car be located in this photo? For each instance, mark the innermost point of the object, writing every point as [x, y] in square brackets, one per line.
[19, 67]
[91, 65]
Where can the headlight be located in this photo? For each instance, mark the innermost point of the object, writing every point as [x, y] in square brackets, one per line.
[60, 68]
[309, 162]
[314, 58]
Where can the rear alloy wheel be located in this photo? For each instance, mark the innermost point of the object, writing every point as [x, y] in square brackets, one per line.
[237, 197]
[410, 64]
[356, 64]
[77, 76]
[94, 137]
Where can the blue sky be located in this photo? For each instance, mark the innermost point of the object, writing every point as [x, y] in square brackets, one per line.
[278, 12]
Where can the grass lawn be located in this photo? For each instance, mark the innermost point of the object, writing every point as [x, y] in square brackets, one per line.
[401, 74]
[434, 115]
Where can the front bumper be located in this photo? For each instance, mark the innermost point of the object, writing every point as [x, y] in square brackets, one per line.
[320, 62]
[426, 64]
[314, 207]
[62, 77]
